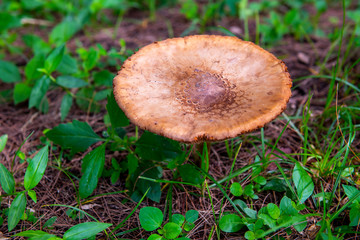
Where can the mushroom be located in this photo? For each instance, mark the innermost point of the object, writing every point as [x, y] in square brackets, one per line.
[202, 88]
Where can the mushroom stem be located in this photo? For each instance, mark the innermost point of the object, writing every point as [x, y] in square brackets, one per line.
[202, 159]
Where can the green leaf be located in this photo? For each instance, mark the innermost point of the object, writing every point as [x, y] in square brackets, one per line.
[38, 92]
[85, 230]
[155, 189]
[236, 189]
[351, 191]
[178, 219]
[276, 184]
[171, 230]
[76, 135]
[6, 179]
[91, 60]
[36, 168]
[92, 166]
[104, 78]
[150, 218]
[54, 59]
[62, 32]
[16, 210]
[133, 163]
[117, 116]
[191, 216]
[230, 223]
[260, 180]
[31, 71]
[303, 183]
[154, 147]
[21, 92]
[9, 72]
[189, 226]
[71, 82]
[32, 195]
[268, 220]
[155, 237]
[50, 222]
[68, 65]
[286, 207]
[354, 215]
[66, 104]
[8, 21]
[273, 210]
[250, 235]
[190, 174]
[3, 141]
[33, 234]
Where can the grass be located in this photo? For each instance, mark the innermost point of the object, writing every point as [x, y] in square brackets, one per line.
[295, 178]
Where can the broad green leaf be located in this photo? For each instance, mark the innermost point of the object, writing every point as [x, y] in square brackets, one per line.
[155, 237]
[190, 174]
[50, 222]
[36, 168]
[9, 72]
[104, 78]
[54, 59]
[273, 210]
[38, 92]
[117, 116]
[32, 4]
[171, 230]
[76, 135]
[299, 222]
[68, 65]
[85, 230]
[154, 147]
[133, 163]
[21, 92]
[178, 219]
[286, 207]
[102, 94]
[92, 166]
[236, 189]
[250, 212]
[6, 179]
[150, 218]
[155, 189]
[66, 104]
[191, 216]
[260, 180]
[8, 21]
[351, 191]
[230, 223]
[31, 71]
[71, 82]
[16, 210]
[188, 226]
[303, 183]
[62, 32]
[268, 220]
[37, 44]
[354, 215]
[91, 60]
[32, 195]
[3, 141]
[250, 235]
[276, 184]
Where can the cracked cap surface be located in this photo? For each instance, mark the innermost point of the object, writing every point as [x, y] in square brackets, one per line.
[202, 88]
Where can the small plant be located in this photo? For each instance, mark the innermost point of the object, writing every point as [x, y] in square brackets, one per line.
[151, 219]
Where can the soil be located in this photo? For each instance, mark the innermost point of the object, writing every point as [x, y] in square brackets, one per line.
[301, 58]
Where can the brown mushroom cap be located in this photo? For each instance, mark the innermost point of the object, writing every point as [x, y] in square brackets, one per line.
[202, 88]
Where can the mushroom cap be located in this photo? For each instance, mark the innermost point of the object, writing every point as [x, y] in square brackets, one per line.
[202, 88]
